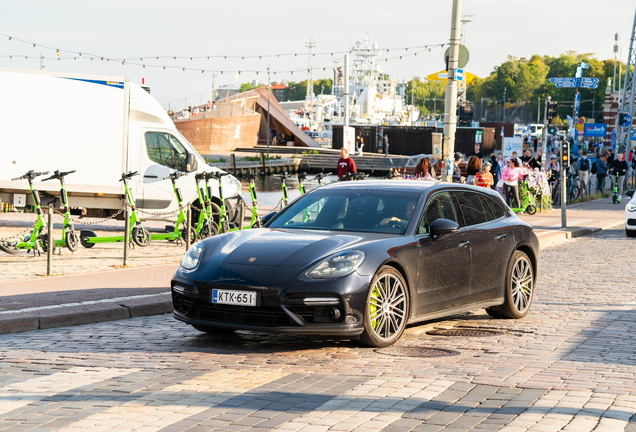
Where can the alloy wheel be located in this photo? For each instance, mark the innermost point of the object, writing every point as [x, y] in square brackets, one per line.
[387, 307]
[522, 284]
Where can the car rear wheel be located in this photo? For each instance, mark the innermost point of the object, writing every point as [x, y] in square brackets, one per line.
[519, 288]
[386, 310]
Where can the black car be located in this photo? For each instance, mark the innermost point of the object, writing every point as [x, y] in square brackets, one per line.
[363, 259]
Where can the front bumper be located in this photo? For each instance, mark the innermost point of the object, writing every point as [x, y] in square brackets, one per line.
[327, 307]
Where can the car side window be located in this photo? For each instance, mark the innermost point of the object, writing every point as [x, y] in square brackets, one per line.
[495, 209]
[439, 206]
[472, 208]
[166, 150]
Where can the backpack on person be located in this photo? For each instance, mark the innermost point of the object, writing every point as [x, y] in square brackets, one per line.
[594, 170]
[585, 165]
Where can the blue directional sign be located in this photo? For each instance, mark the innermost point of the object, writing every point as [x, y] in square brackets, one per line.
[590, 80]
[627, 121]
[572, 82]
[577, 102]
[562, 80]
[565, 84]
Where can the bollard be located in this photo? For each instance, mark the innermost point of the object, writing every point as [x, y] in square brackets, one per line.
[126, 235]
[188, 228]
[263, 162]
[241, 215]
[233, 157]
[50, 243]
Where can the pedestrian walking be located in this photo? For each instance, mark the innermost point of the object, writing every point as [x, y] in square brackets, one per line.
[345, 164]
[359, 145]
[485, 178]
[385, 145]
[495, 170]
[600, 169]
[472, 169]
[457, 172]
[511, 176]
[583, 168]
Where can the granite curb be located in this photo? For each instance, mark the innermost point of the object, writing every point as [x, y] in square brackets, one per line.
[557, 236]
[46, 318]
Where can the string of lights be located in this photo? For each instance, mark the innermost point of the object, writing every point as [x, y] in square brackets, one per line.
[77, 54]
[204, 70]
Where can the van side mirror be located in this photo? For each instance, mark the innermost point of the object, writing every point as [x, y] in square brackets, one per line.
[268, 217]
[442, 226]
[191, 162]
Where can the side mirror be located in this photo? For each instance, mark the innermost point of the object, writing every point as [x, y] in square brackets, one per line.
[268, 217]
[191, 162]
[630, 193]
[442, 226]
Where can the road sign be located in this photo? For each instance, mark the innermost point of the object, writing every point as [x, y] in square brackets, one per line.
[577, 102]
[590, 80]
[562, 80]
[464, 56]
[589, 85]
[459, 74]
[627, 120]
[566, 84]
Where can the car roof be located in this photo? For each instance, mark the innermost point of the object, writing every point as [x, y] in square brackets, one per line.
[417, 186]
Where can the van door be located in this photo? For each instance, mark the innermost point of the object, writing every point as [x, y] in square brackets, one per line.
[161, 154]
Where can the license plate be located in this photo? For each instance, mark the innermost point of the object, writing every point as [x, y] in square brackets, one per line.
[231, 297]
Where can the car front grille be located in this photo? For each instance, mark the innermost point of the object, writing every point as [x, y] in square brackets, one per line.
[267, 316]
[631, 221]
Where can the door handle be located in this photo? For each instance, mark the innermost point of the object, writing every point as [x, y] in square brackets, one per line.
[464, 244]
[151, 176]
[500, 237]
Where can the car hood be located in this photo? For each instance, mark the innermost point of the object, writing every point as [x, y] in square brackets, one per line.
[278, 247]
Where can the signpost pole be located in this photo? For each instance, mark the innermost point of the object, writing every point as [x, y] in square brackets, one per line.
[564, 218]
[544, 136]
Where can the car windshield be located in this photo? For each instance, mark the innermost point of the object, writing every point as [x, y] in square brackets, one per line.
[350, 210]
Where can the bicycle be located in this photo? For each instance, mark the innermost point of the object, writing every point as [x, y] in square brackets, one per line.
[139, 235]
[38, 236]
[69, 237]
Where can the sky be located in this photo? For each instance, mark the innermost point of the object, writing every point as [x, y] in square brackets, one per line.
[135, 29]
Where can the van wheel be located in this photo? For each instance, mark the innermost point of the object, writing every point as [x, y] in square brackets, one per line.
[386, 310]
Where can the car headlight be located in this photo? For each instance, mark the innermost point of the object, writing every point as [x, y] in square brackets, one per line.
[340, 264]
[192, 257]
[631, 207]
[234, 184]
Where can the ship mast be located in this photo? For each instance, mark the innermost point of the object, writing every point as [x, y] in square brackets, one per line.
[310, 80]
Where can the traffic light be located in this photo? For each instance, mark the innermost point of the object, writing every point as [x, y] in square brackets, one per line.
[552, 110]
[565, 154]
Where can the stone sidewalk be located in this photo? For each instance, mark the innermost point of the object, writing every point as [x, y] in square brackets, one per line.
[569, 365]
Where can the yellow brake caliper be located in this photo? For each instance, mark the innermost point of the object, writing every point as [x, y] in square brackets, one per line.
[375, 295]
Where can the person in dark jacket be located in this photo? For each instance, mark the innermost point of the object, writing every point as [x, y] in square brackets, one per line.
[457, 172]
[601, 172]
[494, 170]
[385, 145]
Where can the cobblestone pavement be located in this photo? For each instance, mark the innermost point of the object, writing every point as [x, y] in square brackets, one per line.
[569, 365]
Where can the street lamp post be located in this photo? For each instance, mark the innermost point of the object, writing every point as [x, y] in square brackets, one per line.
[450, 106]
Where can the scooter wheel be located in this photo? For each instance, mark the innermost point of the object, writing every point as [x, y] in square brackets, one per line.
[531, 209]
[257, 224]
[84, 235]
[44, 242]
[169, 229]
[71, 240]
[8, 248]
[208, 230]
[141, 236]
[613, 199]
[225, 227]
[193, 235]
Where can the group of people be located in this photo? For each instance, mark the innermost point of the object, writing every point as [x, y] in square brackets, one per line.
[185, 113]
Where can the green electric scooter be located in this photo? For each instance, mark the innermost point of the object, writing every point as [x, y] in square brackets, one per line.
[38, 236]
[301, 178]
[616, 198]
[178, 230]
[224, 224]
[283, 177]
[526, 206]
[205, 226]
[255, 222]
[321, 176]
[139, 235]
[69, 237]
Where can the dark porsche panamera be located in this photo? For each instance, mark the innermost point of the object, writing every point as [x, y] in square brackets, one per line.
[363, 259]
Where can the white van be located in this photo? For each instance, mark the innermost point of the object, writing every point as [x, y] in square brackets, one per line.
[100, 127]
[535, 130]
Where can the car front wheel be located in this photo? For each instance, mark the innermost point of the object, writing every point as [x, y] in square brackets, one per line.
[519, 288]
[386, 309]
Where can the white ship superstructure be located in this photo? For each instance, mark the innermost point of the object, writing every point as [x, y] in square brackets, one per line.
[374, 98]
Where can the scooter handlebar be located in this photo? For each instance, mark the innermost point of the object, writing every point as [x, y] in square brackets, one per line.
[174, 175]
[248, 176]
[128, 175]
